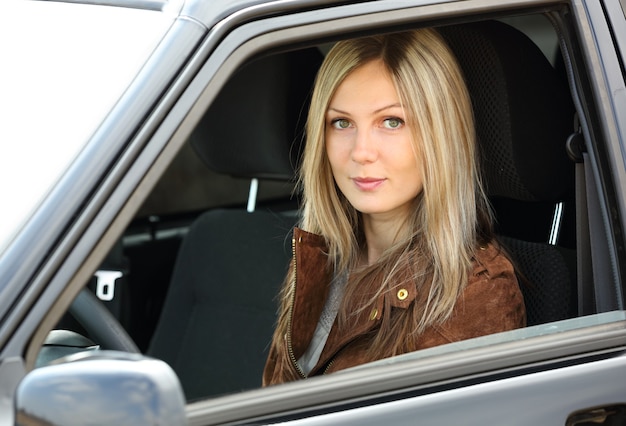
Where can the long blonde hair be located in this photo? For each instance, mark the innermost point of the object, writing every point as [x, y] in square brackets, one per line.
[451, 215]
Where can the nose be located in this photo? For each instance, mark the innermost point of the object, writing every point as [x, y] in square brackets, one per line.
[364, 149]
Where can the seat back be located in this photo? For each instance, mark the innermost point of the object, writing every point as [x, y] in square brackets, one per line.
[220, 310]
[524, 115]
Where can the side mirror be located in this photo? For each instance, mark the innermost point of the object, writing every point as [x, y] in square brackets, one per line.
[104, 388]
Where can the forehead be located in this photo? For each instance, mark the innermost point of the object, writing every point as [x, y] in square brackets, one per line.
[368, 86]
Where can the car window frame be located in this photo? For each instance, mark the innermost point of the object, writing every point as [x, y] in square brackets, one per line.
[346, 26]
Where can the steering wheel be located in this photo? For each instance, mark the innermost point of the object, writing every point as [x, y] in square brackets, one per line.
[100, 323]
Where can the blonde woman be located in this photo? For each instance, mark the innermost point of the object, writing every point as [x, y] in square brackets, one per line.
[395, 251]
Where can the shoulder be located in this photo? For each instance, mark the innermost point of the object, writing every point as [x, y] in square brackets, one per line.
[491, 261]
[492, 300]
[492, 276]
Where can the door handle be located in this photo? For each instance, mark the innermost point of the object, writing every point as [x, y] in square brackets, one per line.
[610, 415]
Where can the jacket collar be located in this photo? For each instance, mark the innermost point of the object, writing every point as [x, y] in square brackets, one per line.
[312, 275]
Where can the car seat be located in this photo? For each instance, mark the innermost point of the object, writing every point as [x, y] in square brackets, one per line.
[524, 115]
[219, 314]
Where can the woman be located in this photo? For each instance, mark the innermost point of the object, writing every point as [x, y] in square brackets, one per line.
[395, 250]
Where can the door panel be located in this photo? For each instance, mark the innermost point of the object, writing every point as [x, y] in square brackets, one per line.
[545, 398]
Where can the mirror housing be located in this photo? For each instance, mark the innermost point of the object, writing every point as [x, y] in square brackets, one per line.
[101, 387]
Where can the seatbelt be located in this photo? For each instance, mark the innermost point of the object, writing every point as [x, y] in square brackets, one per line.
[595, 268]
[584, 268]
[608, 294]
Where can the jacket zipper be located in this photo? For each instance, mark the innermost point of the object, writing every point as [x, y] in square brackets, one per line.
[330, 364]
[292, 356]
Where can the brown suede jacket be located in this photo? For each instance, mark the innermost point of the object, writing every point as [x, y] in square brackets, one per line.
[490, 303]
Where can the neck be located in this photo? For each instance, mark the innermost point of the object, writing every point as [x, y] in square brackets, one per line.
[380, 235]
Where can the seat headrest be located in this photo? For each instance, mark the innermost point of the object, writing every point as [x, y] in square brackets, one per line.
[523, 111]
[255, 125]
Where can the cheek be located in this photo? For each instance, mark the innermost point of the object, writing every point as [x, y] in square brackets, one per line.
[336, 153]
[414, 156]
[410, 162]
[403, 154]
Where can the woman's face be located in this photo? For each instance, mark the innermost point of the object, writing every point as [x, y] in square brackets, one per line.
[369, 144]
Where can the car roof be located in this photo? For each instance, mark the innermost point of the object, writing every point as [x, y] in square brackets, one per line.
[209, 13]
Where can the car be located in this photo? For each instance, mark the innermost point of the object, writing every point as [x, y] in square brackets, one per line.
[147, 158]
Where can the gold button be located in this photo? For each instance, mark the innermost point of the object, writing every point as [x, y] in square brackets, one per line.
[374, 314]
[402, 294]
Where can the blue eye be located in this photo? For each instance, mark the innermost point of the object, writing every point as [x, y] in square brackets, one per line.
[341, 123]
[393, 123]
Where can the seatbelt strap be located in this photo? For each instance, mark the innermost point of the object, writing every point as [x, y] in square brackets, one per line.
[584, 268]
[606, 289]
[598, 290]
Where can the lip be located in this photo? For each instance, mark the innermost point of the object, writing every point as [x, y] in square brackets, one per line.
[368, 183]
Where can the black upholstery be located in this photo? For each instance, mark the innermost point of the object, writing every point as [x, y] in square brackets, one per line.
[548, 280]
[524, 115]
[220, 310]
[250, 129]
[523, 111]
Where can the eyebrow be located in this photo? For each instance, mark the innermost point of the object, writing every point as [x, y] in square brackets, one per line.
[396, 105]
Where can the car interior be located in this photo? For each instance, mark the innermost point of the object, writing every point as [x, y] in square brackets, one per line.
[196, 274]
